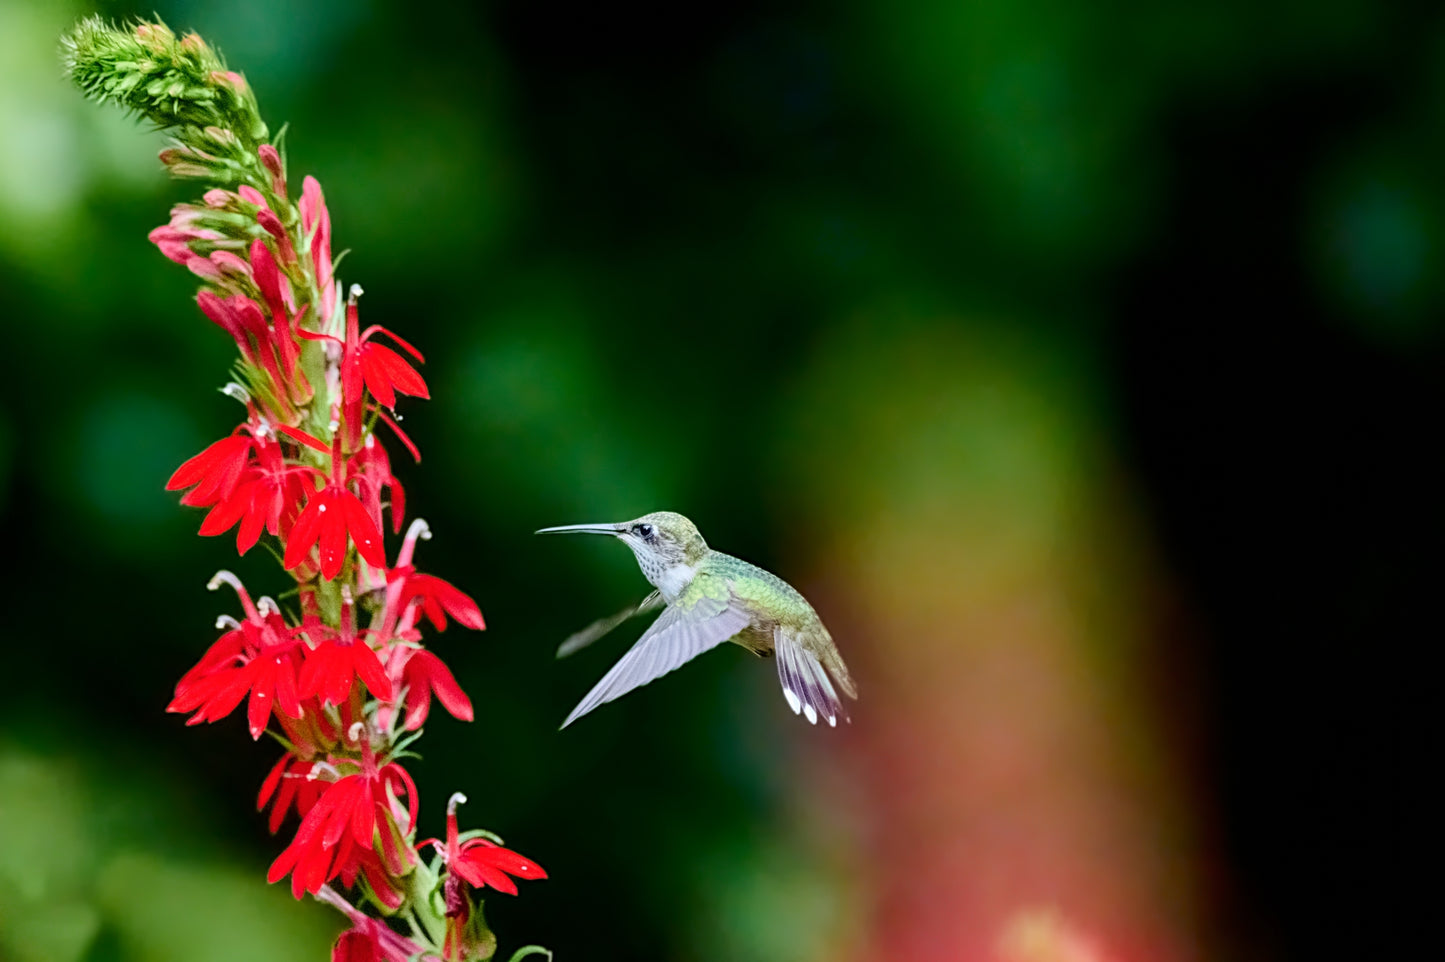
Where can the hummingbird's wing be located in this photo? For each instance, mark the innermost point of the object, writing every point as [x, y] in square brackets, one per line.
[805, 683]
[705, 616]
[581, 639]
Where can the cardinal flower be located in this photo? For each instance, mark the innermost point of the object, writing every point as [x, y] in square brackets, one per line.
[330, 516]
[437, 599]
[337, 659]
[481, 862]
[423, 675]
[355, 814]
[266, 498]
[257, 657]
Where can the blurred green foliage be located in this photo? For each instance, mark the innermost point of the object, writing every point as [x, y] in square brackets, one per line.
[655, 260]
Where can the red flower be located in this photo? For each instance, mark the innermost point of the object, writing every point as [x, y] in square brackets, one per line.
[355, 814]
[256, 657]
[266, 498]
[424, 674]
[380, 369]
[481, 862]
[332, 514]
[437, 599]
[337, 660]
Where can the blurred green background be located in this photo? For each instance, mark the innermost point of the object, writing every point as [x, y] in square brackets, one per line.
[1080, 361]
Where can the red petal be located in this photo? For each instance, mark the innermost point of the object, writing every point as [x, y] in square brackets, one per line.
[223, 516]
[333, 538]
[385, 368]
[376, 380]
[513, 863]
[398, 506]
[286, 697]
[363, 819]
[369, 670]
[363, 530]
[342, 800]
[304, 533]
[378, 329]
[296, 434]
[258, 712]
[494, 878]
[273, 778]
[448, 691]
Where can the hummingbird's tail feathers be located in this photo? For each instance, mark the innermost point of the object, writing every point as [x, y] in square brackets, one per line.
[581, 639]
[679, 634]
[805, 683]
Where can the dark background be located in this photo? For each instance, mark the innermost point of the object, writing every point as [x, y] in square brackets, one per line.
[625, 236]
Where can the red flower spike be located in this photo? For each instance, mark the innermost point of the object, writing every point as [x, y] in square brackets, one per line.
[423, 675]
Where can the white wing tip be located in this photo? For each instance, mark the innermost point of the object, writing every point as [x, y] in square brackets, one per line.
[794, 702]
[812, 714]
[832, 721]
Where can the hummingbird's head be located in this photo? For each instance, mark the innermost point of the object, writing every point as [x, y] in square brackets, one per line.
[667, 545]
[665, 537]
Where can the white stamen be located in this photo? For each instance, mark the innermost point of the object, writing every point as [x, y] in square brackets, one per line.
[794, 702]
[226, 621]
[224, 577]
[236, 391]
[332, 425]
[356, 730]
[355, 292]
[322, 768]
[418, 529]
[396, 416]
[267, 605]
[457, 799]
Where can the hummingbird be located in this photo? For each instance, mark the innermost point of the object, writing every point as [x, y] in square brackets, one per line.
[708, 598]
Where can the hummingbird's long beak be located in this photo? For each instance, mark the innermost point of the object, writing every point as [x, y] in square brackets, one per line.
[612, 529]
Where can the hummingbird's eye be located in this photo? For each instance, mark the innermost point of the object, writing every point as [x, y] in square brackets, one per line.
[643, 531]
